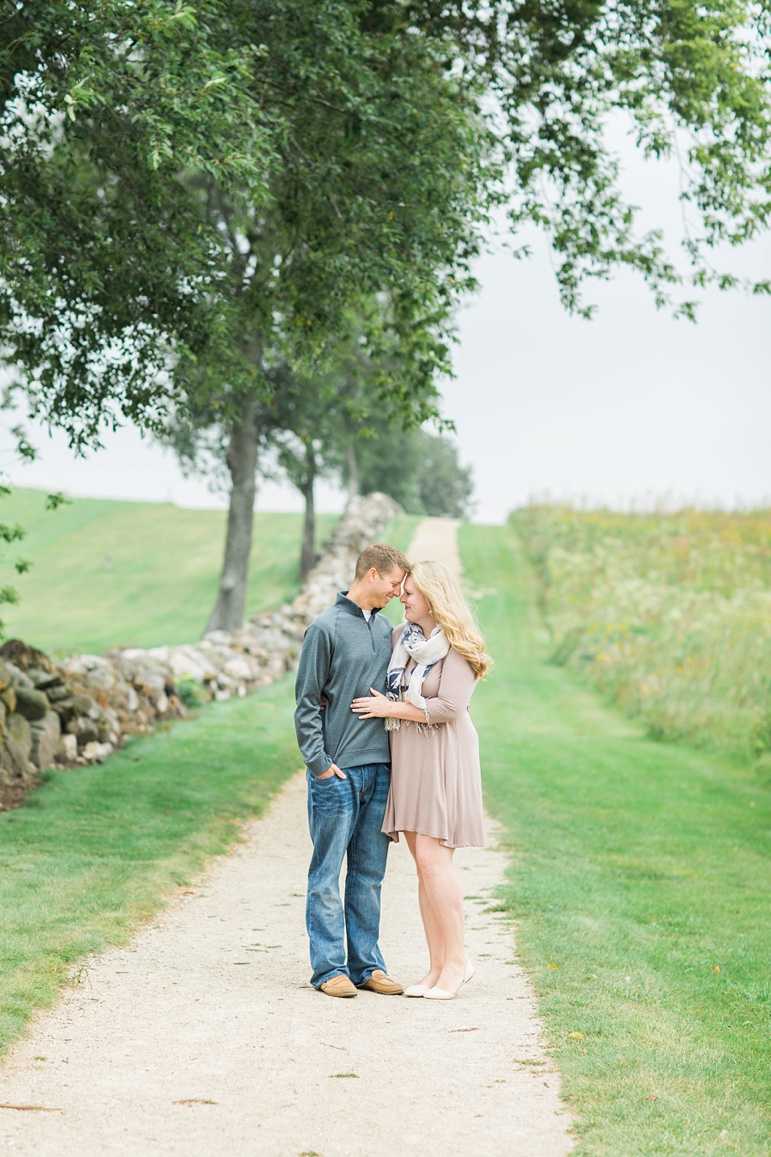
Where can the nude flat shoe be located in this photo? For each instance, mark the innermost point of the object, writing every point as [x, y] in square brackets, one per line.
[437, 993]
[416, 990]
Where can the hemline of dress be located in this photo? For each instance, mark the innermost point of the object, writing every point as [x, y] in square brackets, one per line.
[394, 838]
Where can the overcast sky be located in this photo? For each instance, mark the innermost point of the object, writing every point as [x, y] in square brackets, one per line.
[630, 407]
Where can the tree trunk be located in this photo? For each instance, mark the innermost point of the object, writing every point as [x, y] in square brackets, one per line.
[308, 552]
[352, 471]
[228, 613]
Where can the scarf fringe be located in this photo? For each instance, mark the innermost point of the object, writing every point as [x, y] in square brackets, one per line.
[392, 724]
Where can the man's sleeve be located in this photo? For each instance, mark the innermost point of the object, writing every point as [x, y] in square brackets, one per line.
[312, 675]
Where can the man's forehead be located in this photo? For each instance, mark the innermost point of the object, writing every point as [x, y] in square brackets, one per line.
[394, 576]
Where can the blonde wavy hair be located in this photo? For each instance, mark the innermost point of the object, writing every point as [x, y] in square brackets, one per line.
[452, 613]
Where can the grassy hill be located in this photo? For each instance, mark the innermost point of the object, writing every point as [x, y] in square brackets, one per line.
[106, 572]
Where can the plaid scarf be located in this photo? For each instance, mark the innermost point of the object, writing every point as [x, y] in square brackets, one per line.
[401, 687]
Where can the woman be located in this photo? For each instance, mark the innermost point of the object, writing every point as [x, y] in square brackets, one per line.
[436, 790]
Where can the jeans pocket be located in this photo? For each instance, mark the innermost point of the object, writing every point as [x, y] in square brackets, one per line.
[323, 783]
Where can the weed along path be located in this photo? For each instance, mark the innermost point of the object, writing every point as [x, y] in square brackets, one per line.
[203, 1037]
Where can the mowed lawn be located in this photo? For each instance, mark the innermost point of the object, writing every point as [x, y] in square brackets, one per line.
[107, 573]
[641, 890]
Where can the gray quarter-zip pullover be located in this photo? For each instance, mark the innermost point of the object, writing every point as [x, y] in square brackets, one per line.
[342, 656]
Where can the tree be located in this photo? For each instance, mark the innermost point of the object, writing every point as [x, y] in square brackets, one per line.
[312, 415]
[692, 81]
[103, 260]
[10, 533]
[445, 487]
[182, 209]
[341, 423]
[306, 437]
[419, 470]
[102, 245]
[350, 212]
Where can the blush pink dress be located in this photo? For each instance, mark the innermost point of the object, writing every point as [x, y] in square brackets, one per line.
[436, 784]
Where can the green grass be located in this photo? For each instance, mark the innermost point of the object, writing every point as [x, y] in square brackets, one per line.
[111, 573]
[400, 530]
[668, 614]
[399, 533]
[639, 877]
[641, 891]
[92, 852]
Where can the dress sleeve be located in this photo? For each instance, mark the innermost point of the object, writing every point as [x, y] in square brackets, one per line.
[456, 685]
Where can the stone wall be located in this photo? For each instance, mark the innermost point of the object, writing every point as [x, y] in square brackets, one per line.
[81, 709]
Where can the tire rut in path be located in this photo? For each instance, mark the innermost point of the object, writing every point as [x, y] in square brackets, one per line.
[204, 1038]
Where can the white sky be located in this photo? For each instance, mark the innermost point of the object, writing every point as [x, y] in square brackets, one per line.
[631, 407]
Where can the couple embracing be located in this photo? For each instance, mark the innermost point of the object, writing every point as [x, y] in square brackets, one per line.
[383, 726]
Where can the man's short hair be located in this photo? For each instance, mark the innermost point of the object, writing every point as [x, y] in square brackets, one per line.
[385, 559]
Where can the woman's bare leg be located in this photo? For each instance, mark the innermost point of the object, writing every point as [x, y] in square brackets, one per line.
[431, 925]
[443, 890]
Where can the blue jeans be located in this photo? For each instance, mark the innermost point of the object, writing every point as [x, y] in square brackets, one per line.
[345, 817]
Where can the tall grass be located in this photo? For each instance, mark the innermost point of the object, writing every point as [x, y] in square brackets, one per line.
[669, 614]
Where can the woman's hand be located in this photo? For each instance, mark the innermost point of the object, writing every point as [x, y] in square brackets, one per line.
[374, 706]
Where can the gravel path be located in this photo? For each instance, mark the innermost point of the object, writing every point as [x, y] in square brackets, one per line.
[204, 1037]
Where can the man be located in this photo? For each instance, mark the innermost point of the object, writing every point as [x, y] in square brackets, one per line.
[346, 651]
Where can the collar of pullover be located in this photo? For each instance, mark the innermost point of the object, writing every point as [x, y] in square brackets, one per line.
[350, 606]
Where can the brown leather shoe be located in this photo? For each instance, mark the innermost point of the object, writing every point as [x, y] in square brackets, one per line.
[338, 986]
[379, 982]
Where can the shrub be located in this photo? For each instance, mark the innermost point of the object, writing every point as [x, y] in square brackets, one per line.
[192, 693]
